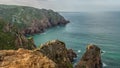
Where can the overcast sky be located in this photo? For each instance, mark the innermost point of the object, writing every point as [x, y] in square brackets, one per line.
[69, 5]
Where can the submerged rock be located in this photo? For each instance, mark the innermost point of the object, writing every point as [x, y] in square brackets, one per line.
[23, 58]
[56, 51]
[91, 58]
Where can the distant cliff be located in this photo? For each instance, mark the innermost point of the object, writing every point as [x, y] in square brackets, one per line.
[12, 38]
[31, 20]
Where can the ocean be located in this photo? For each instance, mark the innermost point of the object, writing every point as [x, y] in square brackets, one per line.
[100, 28]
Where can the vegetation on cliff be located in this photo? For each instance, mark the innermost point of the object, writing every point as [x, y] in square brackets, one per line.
[12, 38]
[31, 20]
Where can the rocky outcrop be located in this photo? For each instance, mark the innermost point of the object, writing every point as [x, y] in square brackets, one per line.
[23, 58]
[31, 20]
[71, 55]
[12, 38]
[52, 54]
[56, 51]
[22, 42]
[91, 58]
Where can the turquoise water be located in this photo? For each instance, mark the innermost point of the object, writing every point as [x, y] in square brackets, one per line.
[100, 28]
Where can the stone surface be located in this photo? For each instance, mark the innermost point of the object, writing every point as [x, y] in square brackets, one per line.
[91, 58]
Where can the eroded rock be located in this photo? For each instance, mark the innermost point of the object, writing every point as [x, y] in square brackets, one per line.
[56, 51]
[91, 58]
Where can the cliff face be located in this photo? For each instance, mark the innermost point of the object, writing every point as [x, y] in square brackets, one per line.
[12, 38]
[91, 58]
[31, 20]
[22, 58]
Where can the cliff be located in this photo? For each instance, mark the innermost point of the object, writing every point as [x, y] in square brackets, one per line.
[91, 58]
[12, 38]
[31, 20]
[52, 54]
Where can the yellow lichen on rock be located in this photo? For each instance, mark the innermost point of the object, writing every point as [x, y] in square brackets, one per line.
[22, 58]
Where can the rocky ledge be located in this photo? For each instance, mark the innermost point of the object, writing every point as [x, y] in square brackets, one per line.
[91, 58]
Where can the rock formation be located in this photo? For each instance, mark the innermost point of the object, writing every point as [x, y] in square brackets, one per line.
[12, 38]
[23, 58]
[31, 20]
[52, 54]
[71, 54]
[56, 51]
[91, 58]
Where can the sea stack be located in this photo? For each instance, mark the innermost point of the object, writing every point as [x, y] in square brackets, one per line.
[91, 58]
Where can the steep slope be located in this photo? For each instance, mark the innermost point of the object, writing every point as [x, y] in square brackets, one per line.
[12, 38]
[31, 20]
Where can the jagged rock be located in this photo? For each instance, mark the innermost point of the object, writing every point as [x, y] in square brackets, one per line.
[22, 58]
[91, 58]
[71, 54]
[56, 51]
